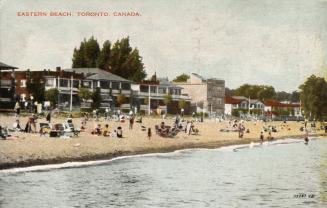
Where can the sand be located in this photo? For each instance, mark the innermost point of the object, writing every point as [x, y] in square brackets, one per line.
[32, 149]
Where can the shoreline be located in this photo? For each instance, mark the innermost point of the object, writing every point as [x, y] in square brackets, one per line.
[146, 150]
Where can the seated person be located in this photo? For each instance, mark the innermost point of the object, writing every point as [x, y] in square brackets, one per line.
[97, 130]
[16, 125]
[119, 132]
[106, 131]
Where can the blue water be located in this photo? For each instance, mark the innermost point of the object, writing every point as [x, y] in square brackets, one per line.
[282, 174]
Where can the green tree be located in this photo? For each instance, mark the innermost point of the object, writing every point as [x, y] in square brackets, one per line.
[96, 98]
[181, 78]
[125, 61]
[36, 88]
[295, 97]
[181, 104]
[313, 97]
[121, 99]
[84, 94]
[167, 100]
[261, 92]
[87, 54]
[103, 61]
[52, 96]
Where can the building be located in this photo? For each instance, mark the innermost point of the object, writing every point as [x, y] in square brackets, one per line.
[111, 86]
[7, 86]
[207, 95]
[274, 107]
[158, 90]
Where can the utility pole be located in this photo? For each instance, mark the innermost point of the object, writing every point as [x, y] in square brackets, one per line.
[149, 100]
[71, 93]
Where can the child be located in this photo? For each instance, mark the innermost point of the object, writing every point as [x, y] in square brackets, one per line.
[119, 132]
[149, 133]
[106, 131]
[261, 137]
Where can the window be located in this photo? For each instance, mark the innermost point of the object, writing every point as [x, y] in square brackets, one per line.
[104, 84]
[63, 83]
[219, 101]
[115, 85]
[162, 90]
[86, 84]
[126, 86]
[153, 89]
[23, 83]
[49, 82]
[144, 88]
[75, 83]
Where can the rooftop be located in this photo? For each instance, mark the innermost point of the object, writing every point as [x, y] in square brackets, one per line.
[4, 66]
[98, 74]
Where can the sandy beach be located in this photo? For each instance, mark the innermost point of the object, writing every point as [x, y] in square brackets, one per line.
[33, 149]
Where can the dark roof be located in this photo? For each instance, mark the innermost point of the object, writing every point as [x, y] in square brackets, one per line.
[4, 66]
[231, 100]
[98, 74]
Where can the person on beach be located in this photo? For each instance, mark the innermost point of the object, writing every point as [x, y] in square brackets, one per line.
[240, 131]
[119, 132]
[261, 137]
[149, 133]
[48, 117]
[16, 125]
[131, 122]
[97, 130]
[269, 138]
[106, 131]
[306, 137]
[17, 109]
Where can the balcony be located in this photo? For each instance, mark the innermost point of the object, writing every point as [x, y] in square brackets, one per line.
[5, 83]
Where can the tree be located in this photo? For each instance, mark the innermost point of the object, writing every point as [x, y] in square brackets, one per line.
[121, 99]
[283, 96]
[84, 94]
[87, 54]
[103, 61]
[295, 97]
[146, 101]
[313, 97]
[261, 92]
[96, 98]
[167, 100]
[52, 96]
[229, 92]
[120, 59]
[36, 88]
[181, 103]
[181, 78]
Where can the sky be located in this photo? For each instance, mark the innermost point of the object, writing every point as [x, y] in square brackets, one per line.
[278, 43]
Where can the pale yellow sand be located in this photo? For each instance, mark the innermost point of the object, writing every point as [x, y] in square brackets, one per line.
[31, 149]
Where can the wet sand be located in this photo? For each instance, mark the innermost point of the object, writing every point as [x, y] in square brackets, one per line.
[31, 149]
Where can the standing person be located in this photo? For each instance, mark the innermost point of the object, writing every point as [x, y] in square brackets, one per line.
[240, 131]
[306, 136]
[17, 109]
[48, 117]
[131, 122]
[149, 133]
[261, 137]
[182, 112]
[119, 132]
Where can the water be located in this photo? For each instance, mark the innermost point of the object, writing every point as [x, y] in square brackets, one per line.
[274, 175]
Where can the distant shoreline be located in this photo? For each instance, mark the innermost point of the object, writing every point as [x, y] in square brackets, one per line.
[115, 154]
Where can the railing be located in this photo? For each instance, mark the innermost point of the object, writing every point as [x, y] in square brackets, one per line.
[6, 83]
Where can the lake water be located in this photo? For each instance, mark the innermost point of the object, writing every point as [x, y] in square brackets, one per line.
[280, 174]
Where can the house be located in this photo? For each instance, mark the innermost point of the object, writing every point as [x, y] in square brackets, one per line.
[242, 103]
[207, 95]
[111, 86]
[274, 107]
[157, 91]
[7, 86]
